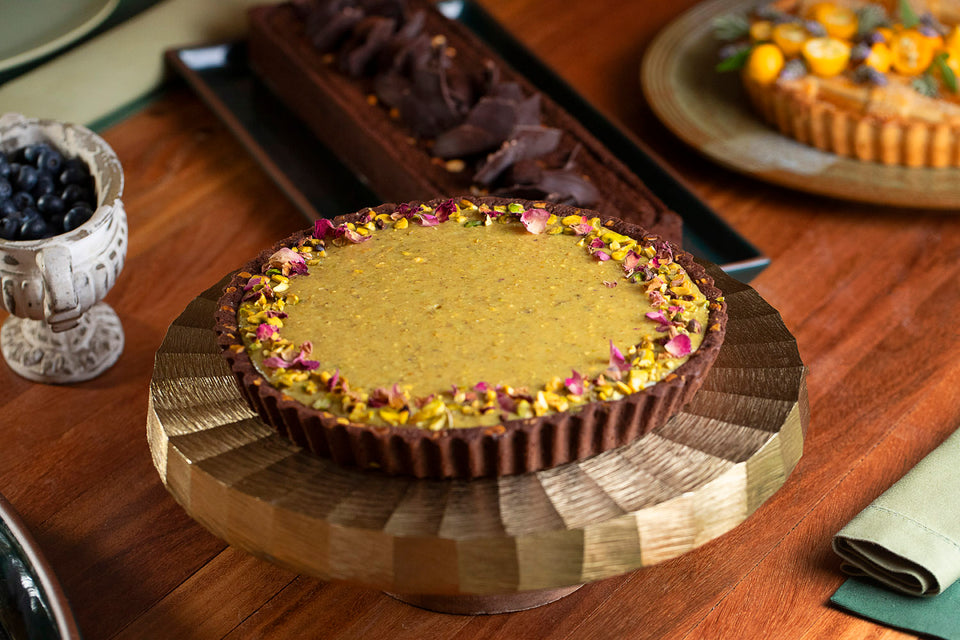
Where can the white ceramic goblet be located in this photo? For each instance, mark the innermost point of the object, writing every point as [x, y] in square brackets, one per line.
[58, 330]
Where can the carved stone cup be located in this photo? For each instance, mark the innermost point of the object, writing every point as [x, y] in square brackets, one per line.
[58, 330]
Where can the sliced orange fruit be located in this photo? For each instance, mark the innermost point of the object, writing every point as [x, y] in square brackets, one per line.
[879, 57]
[911, 52]
[953, 39]
[761, 30]
[764, 64]
[826, 56]
[790, 36]
[840, 22]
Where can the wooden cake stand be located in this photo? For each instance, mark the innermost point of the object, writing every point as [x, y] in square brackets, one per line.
[489, 545]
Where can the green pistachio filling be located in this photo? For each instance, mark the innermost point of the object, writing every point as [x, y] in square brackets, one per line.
[468, 316]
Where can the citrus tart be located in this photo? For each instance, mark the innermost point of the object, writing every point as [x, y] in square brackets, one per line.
[871, 81]
[470, 336]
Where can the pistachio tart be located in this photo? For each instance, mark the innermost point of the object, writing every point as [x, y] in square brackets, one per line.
[874, 81]
[469, 337]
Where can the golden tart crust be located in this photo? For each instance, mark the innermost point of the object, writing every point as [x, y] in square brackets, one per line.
[893, 125]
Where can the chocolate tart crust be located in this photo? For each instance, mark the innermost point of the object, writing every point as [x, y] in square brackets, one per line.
[513, 447]
[399, 168]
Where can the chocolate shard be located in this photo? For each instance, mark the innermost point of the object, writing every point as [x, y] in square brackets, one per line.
[326, 32]
[393, 53]
[489, 123]
[569, 186]
[528, 111]
[529, 142]
[390, 88]
[369, 37]
[508, 90]
[523, 172]
[464, 140]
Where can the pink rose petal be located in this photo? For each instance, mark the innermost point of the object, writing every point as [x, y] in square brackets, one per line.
[679, 346]
[287, 261]
[535, 220]
[266, 331]
[574, 383]
[321, 228]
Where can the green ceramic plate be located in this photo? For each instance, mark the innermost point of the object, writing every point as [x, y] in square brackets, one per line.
[30, 29]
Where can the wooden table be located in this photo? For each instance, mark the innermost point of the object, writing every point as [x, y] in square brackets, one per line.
[870, 294]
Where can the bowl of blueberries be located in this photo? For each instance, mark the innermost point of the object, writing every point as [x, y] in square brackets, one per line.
[63, 242]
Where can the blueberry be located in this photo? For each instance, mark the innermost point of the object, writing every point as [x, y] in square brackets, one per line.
[55, 222]
[23, 199]
[76, 163]
[46, 183]
[33, 228]
[50, 204]
[27, 177]
[73, 175]
[49, 160]
[9, 228]
[31, 152]
[6, 189]
[76, 217]
[8, 208]
[6, 169]
[74, 192]
[30, 213]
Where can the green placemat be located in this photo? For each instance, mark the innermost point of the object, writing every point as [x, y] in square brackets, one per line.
[937, 616]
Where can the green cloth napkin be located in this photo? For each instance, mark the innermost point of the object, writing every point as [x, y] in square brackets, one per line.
[936, 616]
[908, 540]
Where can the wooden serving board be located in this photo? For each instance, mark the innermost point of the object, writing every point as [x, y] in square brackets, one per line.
[496, 544]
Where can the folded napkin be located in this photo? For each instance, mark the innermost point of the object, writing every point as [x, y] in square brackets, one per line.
[908, 540]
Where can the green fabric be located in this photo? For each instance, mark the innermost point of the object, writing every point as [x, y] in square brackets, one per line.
[906, 545]
[909, 538]
[938, 616]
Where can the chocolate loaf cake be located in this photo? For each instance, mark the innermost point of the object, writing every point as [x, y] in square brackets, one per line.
[419, 107]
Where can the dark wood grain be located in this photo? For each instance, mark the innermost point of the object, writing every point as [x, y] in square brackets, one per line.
[870, 293]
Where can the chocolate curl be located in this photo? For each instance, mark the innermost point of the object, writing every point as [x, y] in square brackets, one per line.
[369, 38]
[328, 28]
[488, 124]
[530, 142]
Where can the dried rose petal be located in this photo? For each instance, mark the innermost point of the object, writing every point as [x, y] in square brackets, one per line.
[658, 316]
[506, 403]
[321, 228]
[535, 220]
[298, 362]
[679, 346]
[631, 261]
[597, 243]
[446, 209]
[343, 231]
[254, 281]
[582, 228]
[618, 363]
[266, 331]
[287, 261]
[481, 387]
[574, 383]
[427, 220]
[602, 256]
[610, 284]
